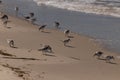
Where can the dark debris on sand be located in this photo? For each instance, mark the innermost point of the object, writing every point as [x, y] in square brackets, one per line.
[23, 74]
[6, 54]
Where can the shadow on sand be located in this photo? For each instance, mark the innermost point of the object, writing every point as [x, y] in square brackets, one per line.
[107, 62]
[70, 36]
[49, 55]
[15, 47]
[8, 27]
[74, 58]
[21, 58]
[6, 54]
[112, 63]
[69, 46]
[46, 32]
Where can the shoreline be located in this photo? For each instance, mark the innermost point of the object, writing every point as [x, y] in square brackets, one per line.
[74, 21]
[63, 63]
[101, 44]
[93, 39]
[72, 62]
[90, 8]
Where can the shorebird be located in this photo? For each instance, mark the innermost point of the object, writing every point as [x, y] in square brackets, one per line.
[46, 48]
[57, 24]
[66, 32]
[66, 41]
[32, 20]
[98, 54]
[4, 17]
[11, 43]
[30, 17]
[109, 58]
[27, 17]
[0, 2]
[31, 14]
[16, 10]
[42, 27]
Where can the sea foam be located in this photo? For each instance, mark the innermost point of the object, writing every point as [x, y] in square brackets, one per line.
[105, 7]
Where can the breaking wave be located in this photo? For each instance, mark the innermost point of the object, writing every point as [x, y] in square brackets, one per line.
[105, 7]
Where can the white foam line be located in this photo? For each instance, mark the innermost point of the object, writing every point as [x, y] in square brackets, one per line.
[84, 6]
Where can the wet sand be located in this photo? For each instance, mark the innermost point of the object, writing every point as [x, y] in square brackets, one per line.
[72, 62]
[103, 28]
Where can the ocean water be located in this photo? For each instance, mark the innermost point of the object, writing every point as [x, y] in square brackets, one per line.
[106, 7]
[103, 28]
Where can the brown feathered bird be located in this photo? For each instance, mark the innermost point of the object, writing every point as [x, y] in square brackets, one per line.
[42, 27]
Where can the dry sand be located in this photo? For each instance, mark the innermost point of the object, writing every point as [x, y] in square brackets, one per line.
[74, 62]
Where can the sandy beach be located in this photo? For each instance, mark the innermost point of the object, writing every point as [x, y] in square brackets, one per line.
[72, 62]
